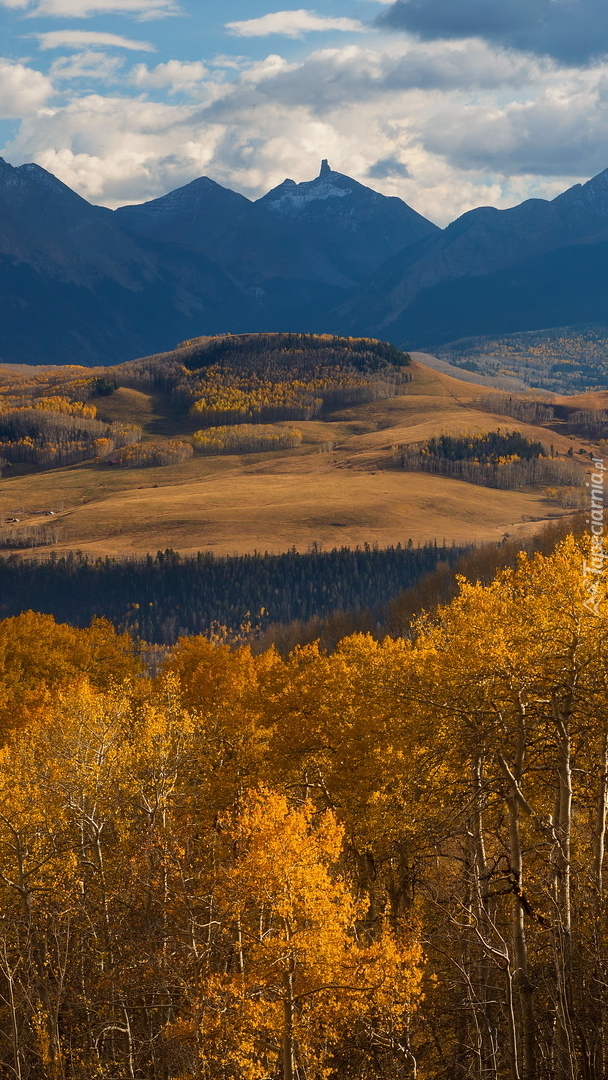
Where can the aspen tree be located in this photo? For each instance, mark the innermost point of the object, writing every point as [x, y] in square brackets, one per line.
[298, 974]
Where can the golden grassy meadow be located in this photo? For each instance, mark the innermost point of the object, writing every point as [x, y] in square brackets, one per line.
[339, 488]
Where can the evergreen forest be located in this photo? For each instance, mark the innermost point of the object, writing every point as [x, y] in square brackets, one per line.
[166, 596]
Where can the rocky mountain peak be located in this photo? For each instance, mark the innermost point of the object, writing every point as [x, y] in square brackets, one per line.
[33, 187]
[201, 194]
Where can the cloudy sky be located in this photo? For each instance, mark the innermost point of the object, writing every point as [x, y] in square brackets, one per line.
[449, 104]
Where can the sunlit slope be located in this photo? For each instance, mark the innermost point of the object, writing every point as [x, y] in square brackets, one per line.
[339, 488]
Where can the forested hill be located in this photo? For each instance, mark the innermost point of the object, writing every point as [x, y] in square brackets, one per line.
[225, 380]
[269, 357]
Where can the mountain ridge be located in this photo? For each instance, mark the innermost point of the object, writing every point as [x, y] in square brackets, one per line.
[77, 288]
[480, 242]
[84, 284]
[483, 245]
[339, 244]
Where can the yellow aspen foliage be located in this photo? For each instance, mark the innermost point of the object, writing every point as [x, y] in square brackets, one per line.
[65, 405]
[300, 973]
[224, 689]
[227, 872]
[246, 438]
[37, 655]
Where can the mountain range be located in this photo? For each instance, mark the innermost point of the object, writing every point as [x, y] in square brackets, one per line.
[83, 284]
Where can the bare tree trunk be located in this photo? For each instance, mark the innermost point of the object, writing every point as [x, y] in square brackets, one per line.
[597, 1052]
[521, 977]
[512, 1026]
[488, 1064]
[562, 824]
[9, 972]
[599, 832]
[288, 1014]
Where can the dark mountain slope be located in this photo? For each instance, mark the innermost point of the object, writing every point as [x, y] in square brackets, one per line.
[285, 279]
[295, 252]
[75, 287]
[355, 227]
[482, 241]
[82, 284]
[195, 215]
[47, 320]
[564, 287]
[227, 228]
[330, 229]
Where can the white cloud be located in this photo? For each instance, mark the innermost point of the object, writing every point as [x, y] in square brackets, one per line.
[116, 149]
[292, 24]
[445, 126]
[84, 9]
[330, 77]
[87, 65]
[23, 90]
[267, 69]
[564, 123]
[75, 39]
[229, 63]
[175, 75]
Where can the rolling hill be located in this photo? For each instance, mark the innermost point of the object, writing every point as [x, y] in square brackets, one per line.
[341, 486]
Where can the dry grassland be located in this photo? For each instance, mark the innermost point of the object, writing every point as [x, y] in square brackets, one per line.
[339, 488]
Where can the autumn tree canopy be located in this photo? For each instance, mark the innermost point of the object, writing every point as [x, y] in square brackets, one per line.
[387, 861]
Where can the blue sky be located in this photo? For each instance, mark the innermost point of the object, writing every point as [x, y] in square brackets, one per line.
[447, 103]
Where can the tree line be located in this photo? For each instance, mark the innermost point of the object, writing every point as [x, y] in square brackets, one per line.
[246, 438]
[588, 423]
[149, 454]
[287, 351]
[265, 378]
[527, 410]
[160, 598]
[505, 460]
[489, 447]
[47, 434]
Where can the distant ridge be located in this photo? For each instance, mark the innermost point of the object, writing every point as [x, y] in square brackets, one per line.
[491, 271]
[331, 229]
[83, 284]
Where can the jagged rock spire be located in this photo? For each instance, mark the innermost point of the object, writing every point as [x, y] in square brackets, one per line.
[325, 169]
